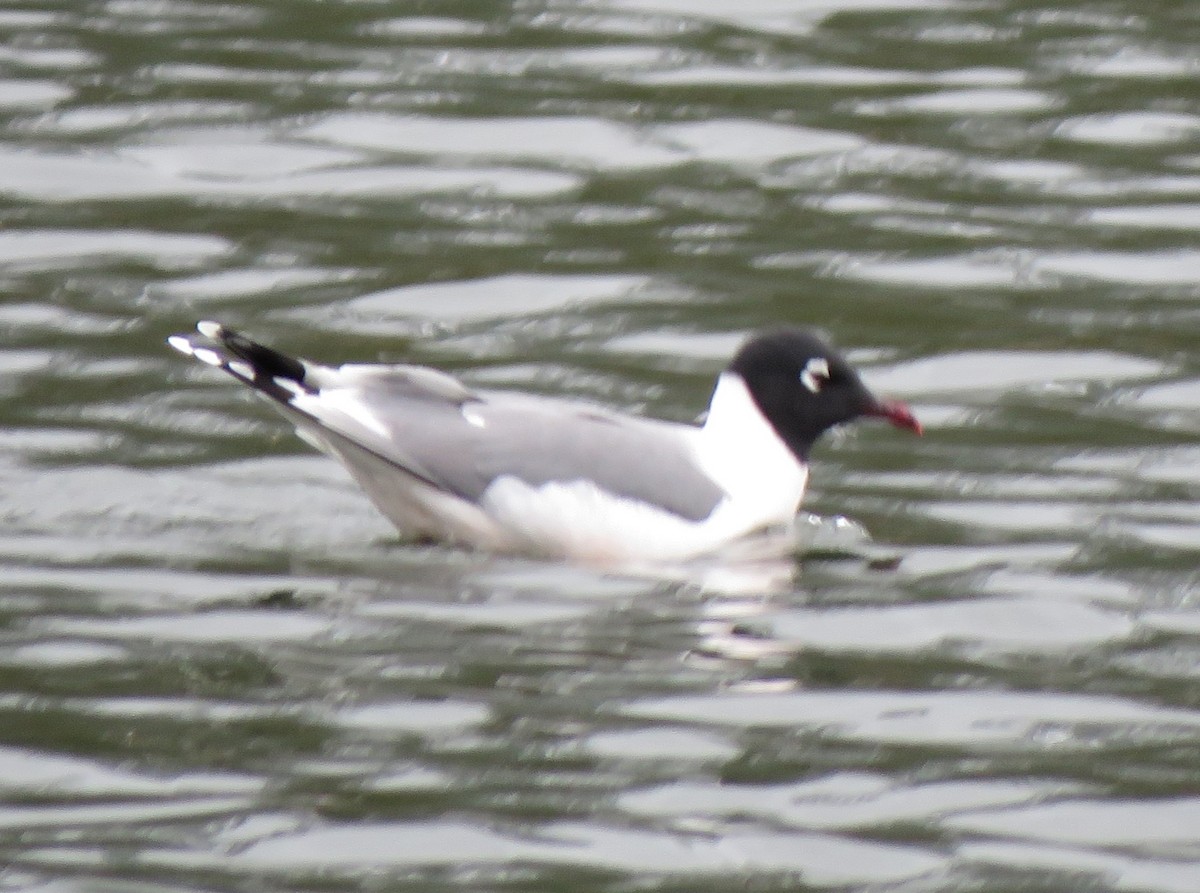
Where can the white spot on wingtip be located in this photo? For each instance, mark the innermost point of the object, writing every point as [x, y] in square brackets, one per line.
[181, 344]
[209, 329]
[242, 370]
[474, 418]
[204, 355]
[289, 385]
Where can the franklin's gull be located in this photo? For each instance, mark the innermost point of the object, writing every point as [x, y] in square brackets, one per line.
[513, 472]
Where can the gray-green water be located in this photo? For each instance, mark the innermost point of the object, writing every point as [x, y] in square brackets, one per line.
[219, 671]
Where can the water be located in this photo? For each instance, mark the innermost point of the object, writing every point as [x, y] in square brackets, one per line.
[220, 671]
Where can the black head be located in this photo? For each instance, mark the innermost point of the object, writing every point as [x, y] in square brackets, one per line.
[804, 387]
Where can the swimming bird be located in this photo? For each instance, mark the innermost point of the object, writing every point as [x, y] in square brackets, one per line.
[513, 472]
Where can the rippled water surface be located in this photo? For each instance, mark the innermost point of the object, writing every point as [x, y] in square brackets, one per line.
[219, 670]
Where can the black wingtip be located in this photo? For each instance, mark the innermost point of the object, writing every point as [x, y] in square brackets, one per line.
[266, 362]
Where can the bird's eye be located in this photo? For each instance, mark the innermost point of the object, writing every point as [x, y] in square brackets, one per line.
[815, 374]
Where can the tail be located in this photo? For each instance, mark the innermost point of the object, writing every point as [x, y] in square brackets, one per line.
[275, 374]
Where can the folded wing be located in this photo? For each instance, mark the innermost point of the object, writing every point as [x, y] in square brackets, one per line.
[426, 424]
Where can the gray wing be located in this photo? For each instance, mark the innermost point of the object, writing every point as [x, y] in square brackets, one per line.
[465, 446]
[427, 424]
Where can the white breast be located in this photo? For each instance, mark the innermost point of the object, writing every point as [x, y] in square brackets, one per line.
[740, 450]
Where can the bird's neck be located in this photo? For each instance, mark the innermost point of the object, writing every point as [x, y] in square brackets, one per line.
[742, 449]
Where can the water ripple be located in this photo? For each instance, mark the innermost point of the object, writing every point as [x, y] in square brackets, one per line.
[824, 861]
[220, 669]
[1021, 720]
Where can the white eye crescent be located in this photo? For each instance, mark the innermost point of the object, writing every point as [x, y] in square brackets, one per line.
[815, 374]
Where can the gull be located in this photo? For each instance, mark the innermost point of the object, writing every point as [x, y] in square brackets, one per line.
[520, 473]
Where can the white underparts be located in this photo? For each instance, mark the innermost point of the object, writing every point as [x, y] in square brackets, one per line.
[579, 520]
[741, 451]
